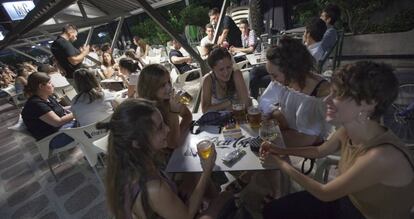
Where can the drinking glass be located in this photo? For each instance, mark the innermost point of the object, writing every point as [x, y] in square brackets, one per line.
[254, 116]
[239, 112]
[268, 131]
[185, 97]
[205, 148]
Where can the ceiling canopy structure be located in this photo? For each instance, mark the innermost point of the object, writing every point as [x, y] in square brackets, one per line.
[49, 16]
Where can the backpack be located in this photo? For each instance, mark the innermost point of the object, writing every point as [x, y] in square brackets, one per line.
[213, 118]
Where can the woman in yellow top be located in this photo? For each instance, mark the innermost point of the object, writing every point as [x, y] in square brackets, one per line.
[376, 172]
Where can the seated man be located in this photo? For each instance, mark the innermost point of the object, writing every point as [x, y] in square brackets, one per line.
[248, 39]
[206, 40]
[330, 14]
[180, 61]
[312, 37]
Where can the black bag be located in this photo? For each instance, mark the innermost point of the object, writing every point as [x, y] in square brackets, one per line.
[220, 118]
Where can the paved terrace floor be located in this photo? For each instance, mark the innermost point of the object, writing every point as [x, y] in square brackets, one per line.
[27, 188]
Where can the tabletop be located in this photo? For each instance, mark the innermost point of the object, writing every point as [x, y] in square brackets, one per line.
[185, 158]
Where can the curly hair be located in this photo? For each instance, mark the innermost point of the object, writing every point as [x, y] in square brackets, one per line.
[293, 59]
[367, 81]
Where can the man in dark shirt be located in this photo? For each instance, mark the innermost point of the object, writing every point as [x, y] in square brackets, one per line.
[68, 57]
[178, 59]
[181, 62]
[229, 31]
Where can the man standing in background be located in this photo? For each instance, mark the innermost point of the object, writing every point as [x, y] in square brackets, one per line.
[228, 32]
[67, 56]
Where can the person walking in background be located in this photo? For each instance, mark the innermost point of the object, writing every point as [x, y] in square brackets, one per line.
[67, 56]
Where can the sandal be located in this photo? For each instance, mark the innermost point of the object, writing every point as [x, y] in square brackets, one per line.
[236, 186]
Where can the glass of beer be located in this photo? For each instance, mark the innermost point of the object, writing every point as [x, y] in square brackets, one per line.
[205, 148]
[254, 116]
[185, 97]
[268, 131]
[239, 112]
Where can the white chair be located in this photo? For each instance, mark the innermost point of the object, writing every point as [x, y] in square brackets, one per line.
[86, 136]
[11, 91]
[239, 13]
[179, 80]
[43, 144]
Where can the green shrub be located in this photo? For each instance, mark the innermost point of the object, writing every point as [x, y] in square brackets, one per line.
[195, 15]
[403, 21]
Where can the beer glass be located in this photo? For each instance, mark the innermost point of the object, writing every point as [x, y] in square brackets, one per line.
[254, 116]
[239, 112]
[185, 97]
[268, 131]
[205, 148]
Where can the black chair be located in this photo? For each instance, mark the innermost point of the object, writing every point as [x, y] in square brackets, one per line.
[335, 53]
[400, 115]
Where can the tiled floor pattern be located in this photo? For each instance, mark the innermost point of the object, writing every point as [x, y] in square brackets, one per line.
[27, 188]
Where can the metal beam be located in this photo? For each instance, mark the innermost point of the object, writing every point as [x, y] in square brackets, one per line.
[41, 13]
[98, 7]
[170, 31]
[22, 53]
[219, 22]
[89, 37]
[117, 31]
[39, 47]
[82, 10]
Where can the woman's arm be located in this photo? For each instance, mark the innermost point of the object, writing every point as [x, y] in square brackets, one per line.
[368, 169]
[53, 119]
[327, 148]
[174, 133]
[241, 88]
[167, 204]
[185, 124]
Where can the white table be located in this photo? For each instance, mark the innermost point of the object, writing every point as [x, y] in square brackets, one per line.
[179, 162]
[252, 58]
[111, 80]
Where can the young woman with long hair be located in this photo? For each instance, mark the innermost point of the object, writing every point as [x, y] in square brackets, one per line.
[223, 85]
[92, 103]
[129, 73]
[109, 67]
[154, 83]
[136, 187]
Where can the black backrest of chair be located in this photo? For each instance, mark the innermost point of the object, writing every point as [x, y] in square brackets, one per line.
[338, 49]
[336, 56]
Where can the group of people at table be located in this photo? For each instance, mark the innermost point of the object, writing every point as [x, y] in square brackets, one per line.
[376, 172]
